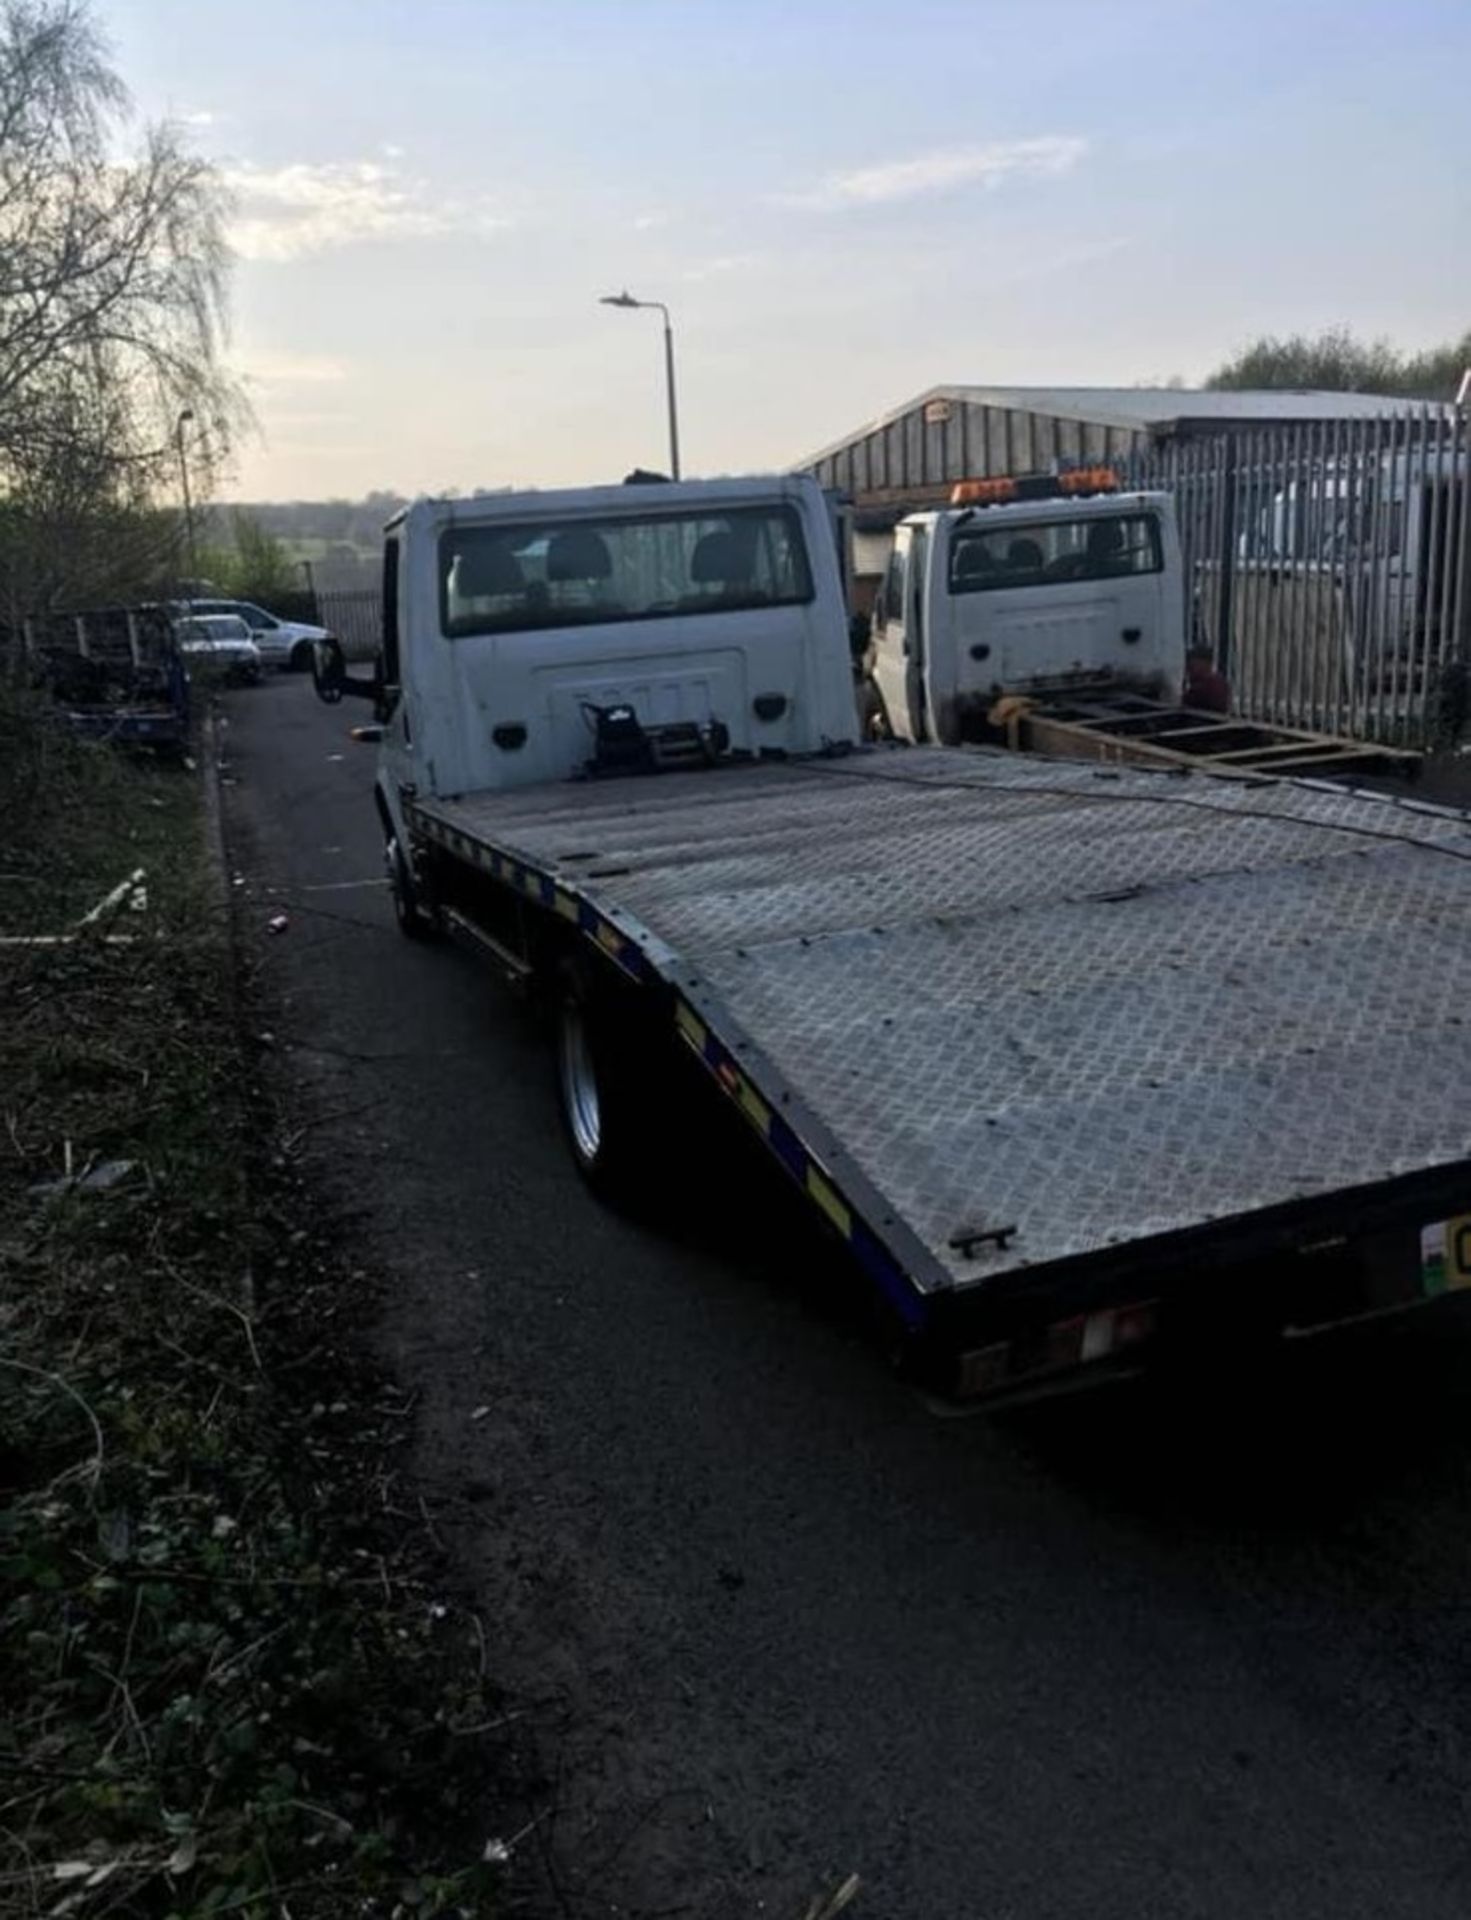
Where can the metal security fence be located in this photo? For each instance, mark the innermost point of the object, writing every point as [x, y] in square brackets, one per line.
[1327, 563]
[355, 616]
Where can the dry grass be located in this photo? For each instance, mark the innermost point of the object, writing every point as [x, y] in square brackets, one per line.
[227, 1683]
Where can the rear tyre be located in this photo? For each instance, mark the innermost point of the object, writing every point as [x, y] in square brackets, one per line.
[413, 919]
[607, 1090]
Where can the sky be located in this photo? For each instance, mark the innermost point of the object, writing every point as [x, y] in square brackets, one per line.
[842, 203]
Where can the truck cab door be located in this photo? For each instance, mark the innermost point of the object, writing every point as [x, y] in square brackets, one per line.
[898, 667]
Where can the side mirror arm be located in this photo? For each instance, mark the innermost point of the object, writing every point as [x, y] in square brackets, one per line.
[331, 679]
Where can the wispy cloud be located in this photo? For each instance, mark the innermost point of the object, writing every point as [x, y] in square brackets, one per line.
[941, 171]
[200, 117]
[646, 222]
[283, 213]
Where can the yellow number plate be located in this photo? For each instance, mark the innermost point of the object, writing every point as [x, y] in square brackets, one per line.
[1445, 1255]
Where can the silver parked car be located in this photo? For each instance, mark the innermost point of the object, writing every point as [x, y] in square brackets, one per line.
[219, 642]
[282, 643]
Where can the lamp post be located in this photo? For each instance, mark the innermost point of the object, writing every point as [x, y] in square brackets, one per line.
[184, 418]
[626, 299]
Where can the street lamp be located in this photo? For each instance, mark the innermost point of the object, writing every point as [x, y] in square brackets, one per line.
[184, 418]
[626, 299]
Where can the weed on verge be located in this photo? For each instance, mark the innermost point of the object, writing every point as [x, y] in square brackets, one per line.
[228, 1681]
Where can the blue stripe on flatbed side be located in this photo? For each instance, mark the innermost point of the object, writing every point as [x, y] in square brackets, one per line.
[803, 1166]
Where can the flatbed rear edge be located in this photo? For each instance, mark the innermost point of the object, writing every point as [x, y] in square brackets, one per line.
[1335, 1258]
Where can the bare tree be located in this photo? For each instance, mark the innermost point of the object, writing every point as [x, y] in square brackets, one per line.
[113, 271]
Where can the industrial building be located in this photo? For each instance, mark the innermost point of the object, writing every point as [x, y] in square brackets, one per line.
[911, 457]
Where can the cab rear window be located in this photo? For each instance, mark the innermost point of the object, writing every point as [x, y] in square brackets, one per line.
[1053, 552]
[588, 572]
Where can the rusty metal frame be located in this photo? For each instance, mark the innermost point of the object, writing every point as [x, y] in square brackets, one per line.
[1136, 738]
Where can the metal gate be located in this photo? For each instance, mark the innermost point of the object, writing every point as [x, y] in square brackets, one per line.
[1327, 566]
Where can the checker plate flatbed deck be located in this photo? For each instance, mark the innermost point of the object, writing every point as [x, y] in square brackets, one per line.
[1105, 1015]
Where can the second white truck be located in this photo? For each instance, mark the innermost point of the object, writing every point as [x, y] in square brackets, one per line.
[1051, 612]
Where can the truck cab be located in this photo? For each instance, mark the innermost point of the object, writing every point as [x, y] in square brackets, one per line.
[1026, 587]
[546, 636]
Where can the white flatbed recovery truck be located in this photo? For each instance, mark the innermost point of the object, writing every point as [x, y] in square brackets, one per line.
[1048, 613]
[1076, 1060]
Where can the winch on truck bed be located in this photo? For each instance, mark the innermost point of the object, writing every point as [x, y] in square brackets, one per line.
[1048, 613]
[1076, 1061]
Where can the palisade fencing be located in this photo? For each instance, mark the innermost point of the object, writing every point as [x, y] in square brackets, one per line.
[355, 616]
[1327, 566]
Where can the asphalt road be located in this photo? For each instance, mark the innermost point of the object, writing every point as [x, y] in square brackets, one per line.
[1173, 1652]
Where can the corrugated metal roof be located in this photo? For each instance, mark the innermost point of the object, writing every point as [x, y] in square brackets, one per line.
[1153, 409]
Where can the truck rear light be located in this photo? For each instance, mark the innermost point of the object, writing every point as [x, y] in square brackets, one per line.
[983, 1369]
[1065, 1345]
[1116, 1328]
[1097, 1340]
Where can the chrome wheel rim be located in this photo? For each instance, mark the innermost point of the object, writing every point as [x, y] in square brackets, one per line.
[580, 1099]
